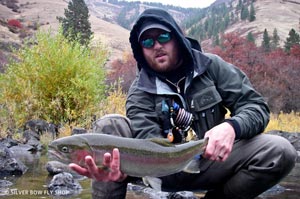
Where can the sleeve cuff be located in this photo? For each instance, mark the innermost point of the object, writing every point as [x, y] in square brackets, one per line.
[236, 127]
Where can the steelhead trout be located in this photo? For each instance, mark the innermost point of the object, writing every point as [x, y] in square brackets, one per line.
[138, 157]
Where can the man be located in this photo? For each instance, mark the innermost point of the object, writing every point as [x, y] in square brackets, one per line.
[179, 87]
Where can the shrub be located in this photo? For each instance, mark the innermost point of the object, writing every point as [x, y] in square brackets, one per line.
[54, 80]
[123, 70]
[14, 23]
[115, 101]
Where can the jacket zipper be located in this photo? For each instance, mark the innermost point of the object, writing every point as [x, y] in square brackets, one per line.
[177, 84]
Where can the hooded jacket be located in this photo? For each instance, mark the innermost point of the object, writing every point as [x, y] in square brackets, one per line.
[212, 86]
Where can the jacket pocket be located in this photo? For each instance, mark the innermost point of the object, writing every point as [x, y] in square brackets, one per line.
[207, 109]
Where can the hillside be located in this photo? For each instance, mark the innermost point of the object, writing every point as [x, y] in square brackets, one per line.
[280, 14]
[44, 13]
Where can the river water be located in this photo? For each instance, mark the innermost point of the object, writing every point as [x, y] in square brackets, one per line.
[33, 184]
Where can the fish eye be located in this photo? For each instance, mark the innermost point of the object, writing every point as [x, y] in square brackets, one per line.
[65, 149]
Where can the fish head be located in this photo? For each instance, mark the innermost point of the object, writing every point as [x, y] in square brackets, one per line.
[70, 149]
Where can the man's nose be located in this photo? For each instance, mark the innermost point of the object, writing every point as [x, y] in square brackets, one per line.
[157, 44]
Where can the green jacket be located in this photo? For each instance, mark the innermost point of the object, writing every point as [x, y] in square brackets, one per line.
[211, 87]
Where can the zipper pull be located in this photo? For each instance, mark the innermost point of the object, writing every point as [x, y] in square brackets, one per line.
[178, 89]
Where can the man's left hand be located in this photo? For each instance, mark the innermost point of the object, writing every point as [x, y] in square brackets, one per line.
[220, 142]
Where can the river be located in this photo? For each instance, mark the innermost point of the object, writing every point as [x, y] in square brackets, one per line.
[33, 184]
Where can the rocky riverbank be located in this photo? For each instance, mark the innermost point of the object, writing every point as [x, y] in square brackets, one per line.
[13, 151]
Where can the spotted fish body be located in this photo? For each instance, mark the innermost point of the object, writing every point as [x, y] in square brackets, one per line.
[138, 157]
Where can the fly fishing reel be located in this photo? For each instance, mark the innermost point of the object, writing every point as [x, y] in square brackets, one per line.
[180, 124]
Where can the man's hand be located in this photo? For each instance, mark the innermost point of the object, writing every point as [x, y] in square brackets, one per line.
[113, 172]
[220, 142]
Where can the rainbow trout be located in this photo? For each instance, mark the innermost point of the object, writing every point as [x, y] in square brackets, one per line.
[138, 157]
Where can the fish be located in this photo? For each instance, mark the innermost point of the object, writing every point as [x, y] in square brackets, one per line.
[153, 157]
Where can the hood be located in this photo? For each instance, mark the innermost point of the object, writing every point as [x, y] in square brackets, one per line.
[162, 17]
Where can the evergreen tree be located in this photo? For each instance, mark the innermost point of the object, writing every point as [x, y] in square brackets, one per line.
[266, 41]
[252, 13]
[216, 40]
[226, 20]
[239, 5]
[250, 37]
[293, 39]
[275, 39]
[232, 17]
[75, 24]
[244, 12]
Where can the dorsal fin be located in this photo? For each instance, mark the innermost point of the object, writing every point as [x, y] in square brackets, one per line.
[162, 141]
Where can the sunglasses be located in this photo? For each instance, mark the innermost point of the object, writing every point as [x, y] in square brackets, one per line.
[162, 38]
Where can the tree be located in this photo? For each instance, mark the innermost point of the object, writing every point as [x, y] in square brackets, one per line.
[216, 40]
[266, 42]
[250, 37]
[239, 5]
[293, 39]
[275, 39]
[252, 13]
[244, 12]
[226, 20]
[274, 74]
[75, 24]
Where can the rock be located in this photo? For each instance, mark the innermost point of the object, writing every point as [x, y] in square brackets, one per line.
[151, 193]
[55, 167]
[32, 139]
[35, 145]
[10, 165]
[182, 195]
[275, 190]
[40, 126]
[26, 154]
[78, 130]
[5, 183]
[4, 187]
[18, 149]
[63, 184]
[9, 142]
[30, 134]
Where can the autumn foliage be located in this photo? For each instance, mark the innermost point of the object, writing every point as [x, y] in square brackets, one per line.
[274, 74]
[123, 71]
[14, 23]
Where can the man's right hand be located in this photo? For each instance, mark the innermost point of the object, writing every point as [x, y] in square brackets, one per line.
[112, 162]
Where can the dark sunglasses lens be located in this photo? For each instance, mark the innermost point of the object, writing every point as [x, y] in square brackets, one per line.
[164, 38]
[147, 43]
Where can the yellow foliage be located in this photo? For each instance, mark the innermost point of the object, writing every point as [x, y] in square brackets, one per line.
[114, 103]
[55, 80]
[289, 122]
[66, 130]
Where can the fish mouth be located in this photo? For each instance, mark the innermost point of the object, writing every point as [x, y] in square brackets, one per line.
[54, 155]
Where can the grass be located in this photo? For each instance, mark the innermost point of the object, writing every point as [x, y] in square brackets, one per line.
[288, 122]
